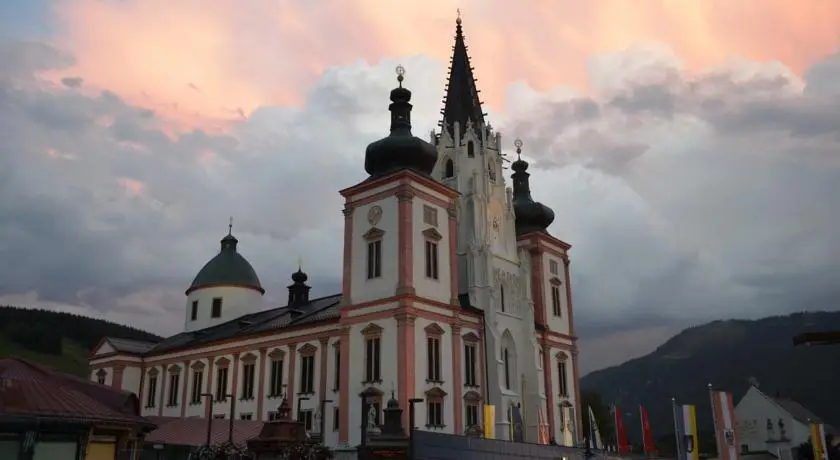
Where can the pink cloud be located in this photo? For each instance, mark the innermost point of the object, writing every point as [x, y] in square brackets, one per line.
[208, 62]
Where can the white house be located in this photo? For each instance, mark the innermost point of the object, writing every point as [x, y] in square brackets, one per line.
[453, 291]
[772, 424]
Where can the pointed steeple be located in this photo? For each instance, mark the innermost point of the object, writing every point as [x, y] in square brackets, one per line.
[461, 102]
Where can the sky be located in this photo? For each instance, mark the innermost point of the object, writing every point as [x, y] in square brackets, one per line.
[690, 150]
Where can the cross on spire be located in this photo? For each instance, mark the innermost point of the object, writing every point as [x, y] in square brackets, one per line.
[230, 226]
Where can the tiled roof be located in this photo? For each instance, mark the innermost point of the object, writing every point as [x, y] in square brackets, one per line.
[130, 345]
[193, 431]
[321, 309]
[32, 390]
[796, 410]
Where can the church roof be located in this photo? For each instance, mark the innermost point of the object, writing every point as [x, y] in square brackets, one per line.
[228, 268]
[461, 102]
[317, 310]
[130, 345]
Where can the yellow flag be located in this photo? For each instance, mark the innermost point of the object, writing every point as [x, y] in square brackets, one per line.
[489, 421]
[818, 441]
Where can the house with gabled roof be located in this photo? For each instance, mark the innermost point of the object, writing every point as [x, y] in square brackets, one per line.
[773, 424]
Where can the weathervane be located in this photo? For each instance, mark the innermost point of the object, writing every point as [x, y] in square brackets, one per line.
[400, 74]
[518, 144]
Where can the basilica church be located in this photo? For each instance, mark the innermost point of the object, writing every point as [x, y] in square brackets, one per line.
[454, 291]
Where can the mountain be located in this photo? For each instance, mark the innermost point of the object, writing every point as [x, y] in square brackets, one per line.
[60, 340]
[727, 354]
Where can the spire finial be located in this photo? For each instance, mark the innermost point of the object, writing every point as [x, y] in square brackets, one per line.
[518, 144]
[400, 74]
[230, 226]
[458, 19]
[300, 262]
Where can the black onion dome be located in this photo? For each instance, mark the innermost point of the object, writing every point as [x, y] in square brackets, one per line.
[299, 276]
[400, 149]
[531, 216]
[227, 268]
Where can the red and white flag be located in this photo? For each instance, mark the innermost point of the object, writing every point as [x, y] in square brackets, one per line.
[723, 411]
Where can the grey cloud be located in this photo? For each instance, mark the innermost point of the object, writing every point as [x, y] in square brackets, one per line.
[686, 199]
[72, 82]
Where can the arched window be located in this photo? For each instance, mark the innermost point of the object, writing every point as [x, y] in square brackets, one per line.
[449, 171]
[470, 149]
[506, 359]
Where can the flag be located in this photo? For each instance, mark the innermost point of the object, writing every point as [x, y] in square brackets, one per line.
[489, 421]
[818, 441]
[566, 426]
[685, 424]
[723, 414]
[647, 434]
[544, 436]
[594, 433]
[620, 435]
[517, 431]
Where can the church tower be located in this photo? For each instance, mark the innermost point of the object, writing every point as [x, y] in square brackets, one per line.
[399, 266]
[502, 245]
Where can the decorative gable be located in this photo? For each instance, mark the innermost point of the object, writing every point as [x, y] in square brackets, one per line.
[198, 366]
[222, 362]
[435, 392]
[174, 369]
[277, 354]
[372, 330]
[249, 358]
[104, 348]
[373, 234]
[307, 350]
[432, 234]
[470, 337]
[434, 329]
[561, 356]
[555, 281]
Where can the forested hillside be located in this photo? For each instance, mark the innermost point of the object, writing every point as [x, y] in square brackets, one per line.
[61, 340]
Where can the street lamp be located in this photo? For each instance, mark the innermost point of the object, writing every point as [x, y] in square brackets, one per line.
[322, 426]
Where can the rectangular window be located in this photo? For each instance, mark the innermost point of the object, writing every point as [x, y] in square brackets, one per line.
[194, 311]
[198, 378]
[152, 391]
[248, 381]
[221, 384]
[431, 260]
[472, 415]
[553, 267]
[434, 414]
[100, 379]
[555, 300]
[306, 418]
[336, 419]
[433, 359]
[337, 367]
[307, 374]
[561, 379]
[246, 416]
[372, 360]
[174, 380]
[374, 259]
[430, 215]
[273, 415]
[745, 449]
[470, 365]
[275, 387]
[216, 311]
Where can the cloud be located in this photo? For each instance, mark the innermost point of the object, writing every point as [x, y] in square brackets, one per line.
[692, 184]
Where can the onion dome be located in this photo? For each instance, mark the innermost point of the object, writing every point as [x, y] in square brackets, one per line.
[228, 268]
[298, 290]
[400, 149]
[531, 216]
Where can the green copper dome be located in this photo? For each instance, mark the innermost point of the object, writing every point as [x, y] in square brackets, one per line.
[228, 268]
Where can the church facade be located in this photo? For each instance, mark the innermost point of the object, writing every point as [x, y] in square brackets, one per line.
[453, 291]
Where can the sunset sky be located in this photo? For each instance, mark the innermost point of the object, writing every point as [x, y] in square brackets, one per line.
[690, 148]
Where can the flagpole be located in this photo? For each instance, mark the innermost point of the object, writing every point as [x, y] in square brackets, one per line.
[677, 434]
[642, 424]
[714, 421]
[615, 423]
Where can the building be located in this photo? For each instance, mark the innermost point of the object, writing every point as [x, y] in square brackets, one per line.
[453, 291]
[772, 424]
[47, 415]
